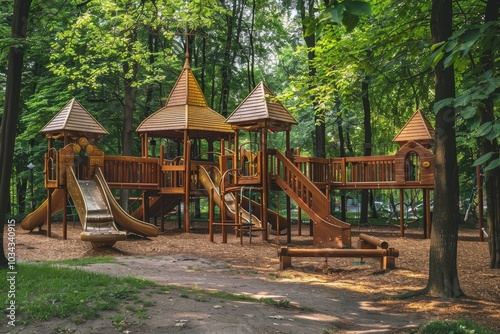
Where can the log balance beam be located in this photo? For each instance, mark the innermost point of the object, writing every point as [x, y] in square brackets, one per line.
[367, 247]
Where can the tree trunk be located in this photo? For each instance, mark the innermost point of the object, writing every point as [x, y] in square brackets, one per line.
[226, 62]
[319, 117]
[492, 177]
[443, 275]
[251, 74]
[343, 206]
[367, 150]
[130, 73]
[11, 110]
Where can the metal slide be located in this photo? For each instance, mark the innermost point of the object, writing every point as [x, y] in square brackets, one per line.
[121, 217]
[209, 180]
[38, 217]
[92, 206]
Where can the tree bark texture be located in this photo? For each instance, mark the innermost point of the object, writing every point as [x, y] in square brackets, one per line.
[11, 109]
[130, 68]
[492, 177]
[367, 149]
[443, 276]
[319, 117]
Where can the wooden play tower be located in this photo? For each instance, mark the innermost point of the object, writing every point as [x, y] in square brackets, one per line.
[227, 161]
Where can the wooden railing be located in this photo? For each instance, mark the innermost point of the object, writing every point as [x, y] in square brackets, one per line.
[328, 230]
[375, 169]
[132, 172]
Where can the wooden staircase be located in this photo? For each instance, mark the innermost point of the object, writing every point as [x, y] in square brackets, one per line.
[328, 231]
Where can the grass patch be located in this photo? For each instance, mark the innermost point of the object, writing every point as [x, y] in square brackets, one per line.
[44, 291]
[453, 327]
[85, 261]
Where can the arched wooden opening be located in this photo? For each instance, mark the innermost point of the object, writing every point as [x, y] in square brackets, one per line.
[412, 166]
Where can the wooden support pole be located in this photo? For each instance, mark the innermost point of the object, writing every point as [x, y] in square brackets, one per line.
[401, 212]
[65, 215]
[49, 212]
[211, 214]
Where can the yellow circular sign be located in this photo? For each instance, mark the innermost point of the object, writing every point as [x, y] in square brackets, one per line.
[83, 141]
[89, 149]
[77, 148]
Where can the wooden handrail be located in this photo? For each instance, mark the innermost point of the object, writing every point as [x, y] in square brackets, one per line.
[316, 203]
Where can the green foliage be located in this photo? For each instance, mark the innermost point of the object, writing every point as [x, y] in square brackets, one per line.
[453, 327]
[479, 86]
[346, 13]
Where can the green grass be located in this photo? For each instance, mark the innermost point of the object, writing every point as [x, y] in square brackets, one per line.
[85, 261]
[453, 327]
[44, 291]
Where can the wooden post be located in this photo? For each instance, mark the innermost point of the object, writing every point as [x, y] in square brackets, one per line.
[65, 215]
[265, 190]
[211, 214]
[401, 212]
[187, 180]
[162, 212]
[49, 211]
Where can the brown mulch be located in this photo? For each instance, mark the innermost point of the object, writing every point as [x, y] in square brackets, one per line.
[480, 284]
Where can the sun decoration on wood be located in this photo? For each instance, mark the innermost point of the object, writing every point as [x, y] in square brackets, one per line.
[76, 148]
[426, 164]
[89, 149]
[83, 143]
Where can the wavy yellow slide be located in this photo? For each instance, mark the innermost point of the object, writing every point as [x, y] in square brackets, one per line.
[123, 219]
[38, 217]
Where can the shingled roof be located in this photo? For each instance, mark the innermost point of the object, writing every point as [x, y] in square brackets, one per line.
[260, 109]
[418, 129]
[73, 117]
[186, 109]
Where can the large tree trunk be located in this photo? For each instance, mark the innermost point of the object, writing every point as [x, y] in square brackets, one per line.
[443, 275]
[492, 177]
[367, 150]
[128, 116]
[11, 110]
[319, 116]
[343, 206]
[227, 60]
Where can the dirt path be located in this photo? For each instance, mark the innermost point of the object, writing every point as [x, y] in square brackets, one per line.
[339, 296]
[324, 309]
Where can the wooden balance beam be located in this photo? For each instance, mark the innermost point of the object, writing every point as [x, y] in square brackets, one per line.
[386, 254]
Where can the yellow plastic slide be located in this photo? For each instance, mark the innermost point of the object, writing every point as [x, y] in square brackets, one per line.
[212, 181]
[125, 220]
[38, 217]
[93, 209]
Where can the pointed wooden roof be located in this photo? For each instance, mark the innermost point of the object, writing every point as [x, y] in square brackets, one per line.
[261, 109]
[186, 109]
[418, 129]
[73, 117]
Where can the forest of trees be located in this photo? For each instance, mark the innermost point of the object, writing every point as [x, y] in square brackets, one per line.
[351, 72]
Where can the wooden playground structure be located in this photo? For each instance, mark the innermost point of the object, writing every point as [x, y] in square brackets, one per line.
[227, 161]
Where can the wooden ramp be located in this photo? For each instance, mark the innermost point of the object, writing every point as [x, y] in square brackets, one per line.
[328, 231]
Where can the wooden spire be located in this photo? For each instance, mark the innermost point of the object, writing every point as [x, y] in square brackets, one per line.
[417, 129]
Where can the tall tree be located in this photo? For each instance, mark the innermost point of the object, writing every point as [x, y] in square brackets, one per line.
[490, 144]
[11, 109]
[308, 9]
[443, 275]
